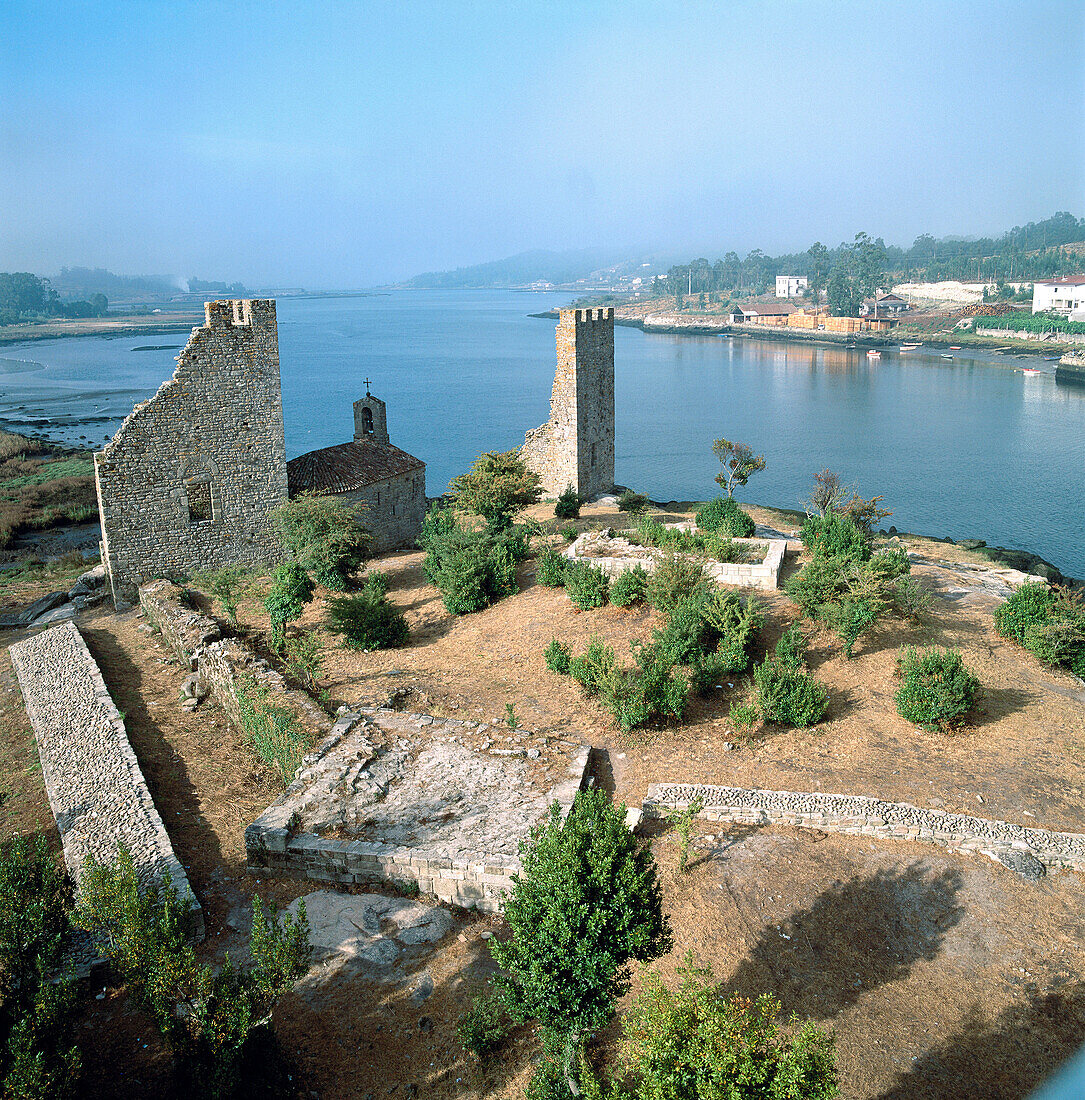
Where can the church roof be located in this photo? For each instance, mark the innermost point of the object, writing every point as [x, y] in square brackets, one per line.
[347, 466]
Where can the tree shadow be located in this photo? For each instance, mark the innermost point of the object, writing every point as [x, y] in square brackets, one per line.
[1001, 1059]
[857, 935]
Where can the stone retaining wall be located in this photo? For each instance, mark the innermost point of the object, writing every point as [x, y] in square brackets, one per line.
[276, 844]
[93, 781]
[1039, 337]
[764, 574]
[218, 661]
[853, 814]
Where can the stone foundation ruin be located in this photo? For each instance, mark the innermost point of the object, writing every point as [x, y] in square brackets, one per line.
[575, 447]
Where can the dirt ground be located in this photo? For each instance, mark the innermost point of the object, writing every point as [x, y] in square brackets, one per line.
[941, 976]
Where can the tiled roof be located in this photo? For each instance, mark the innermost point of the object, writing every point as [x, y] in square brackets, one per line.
[347, 466]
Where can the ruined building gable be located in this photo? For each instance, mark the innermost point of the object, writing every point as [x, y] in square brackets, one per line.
[190, 478]
[576, 445]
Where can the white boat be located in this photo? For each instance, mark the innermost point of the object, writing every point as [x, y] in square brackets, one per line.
[872, 354]
[908, 347]
[947, 356]
[1031, 370]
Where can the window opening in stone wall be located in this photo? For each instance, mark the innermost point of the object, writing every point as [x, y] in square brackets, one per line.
[367, 421]
[199, 501]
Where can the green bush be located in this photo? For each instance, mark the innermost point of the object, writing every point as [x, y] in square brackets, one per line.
[629, 587]
[569, 533]
[835, 536]
[650, 532]
[586, 585]
[651, 690]
[791, 648]
[722, 515]
[304, 656]
[1029, 606]
[556, 656]
[568, 504]
[224, 585]
[551, 568]
[735, 622]
[274, 732]
[788, 696]
[471, 569]
[366, 621]
[629, 501]
[324, 537]
[674, 579]
[699, 1042]
[497, 486]
[744, 715]
[291, 591]
[592, 668]
[685, 634]
[851, 618]
[37, 997]
[936, 689]
[1049, 622]
[376, 582]
[484, 1026]
[208, 1017]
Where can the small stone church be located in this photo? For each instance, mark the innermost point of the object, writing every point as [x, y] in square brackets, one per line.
[369, 471]
[192, 478]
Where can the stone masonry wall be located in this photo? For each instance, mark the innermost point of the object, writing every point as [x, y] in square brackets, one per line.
[394, 510]
[853, 814]
[93, 781]
[576, 445]
[189, 479]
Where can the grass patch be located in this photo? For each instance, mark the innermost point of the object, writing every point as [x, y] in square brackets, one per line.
[38, 490]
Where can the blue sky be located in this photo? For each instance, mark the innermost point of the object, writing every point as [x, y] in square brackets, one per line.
[346, 144]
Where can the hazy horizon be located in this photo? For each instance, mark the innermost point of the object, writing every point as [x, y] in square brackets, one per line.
[349, 145]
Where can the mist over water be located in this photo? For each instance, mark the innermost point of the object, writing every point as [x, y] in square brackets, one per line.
[960, 448]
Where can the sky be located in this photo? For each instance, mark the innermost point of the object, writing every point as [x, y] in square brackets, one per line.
[343, 145]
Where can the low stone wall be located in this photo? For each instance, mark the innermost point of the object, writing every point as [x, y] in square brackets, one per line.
[853, 814]
[219, 662]
[764, 574]
[279, 843]
[1040, 337]
[93, 781]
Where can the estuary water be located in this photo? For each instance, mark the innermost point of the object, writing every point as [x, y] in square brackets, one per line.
[968, 447]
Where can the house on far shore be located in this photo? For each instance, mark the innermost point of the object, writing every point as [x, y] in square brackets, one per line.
[370, 471]
[790, 286]
[888, 305]
[760, 313]
[1064, 296]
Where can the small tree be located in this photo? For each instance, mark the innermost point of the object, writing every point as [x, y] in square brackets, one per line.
[738, 462]
[497, 486]
[698, 1043]
[829, 492]
[285, 602]
[568, 504]
[226, 586]
[585, 906]
[323, 536]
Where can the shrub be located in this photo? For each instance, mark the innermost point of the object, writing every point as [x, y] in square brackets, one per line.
[743, 715]
[699, 1042]
[483, 1027]
[722, 515]
[587, 586]
[735, 621]
[551, 568]
[674, 579]
[376, 582]
[937, 690]
[835, 536]
[37, 1003]
[851, 618]
[1048, 622]
[569, 533]
[556, 656]
[629, 501]
[274, 732]
[304, 658]
[651, 690]
[592, 669]
[791, 648]
[471, 569]
[910, 598]
[629, 587]
[366, 621]
[650, 532]
[207, 1016]
[497, 487]
[685, 635]
[226, 586]
[788, 696]
[568, 504]
[323, 536]
[1029, 606]
[286, 601]
[585, 906]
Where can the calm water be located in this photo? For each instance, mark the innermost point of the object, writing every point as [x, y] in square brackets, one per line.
[959, 448]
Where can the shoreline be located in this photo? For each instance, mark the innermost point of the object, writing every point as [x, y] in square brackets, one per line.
[107, 327]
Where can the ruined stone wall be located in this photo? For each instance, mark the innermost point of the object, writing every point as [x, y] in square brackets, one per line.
[394, 510]
[189, 480]
[576, 445]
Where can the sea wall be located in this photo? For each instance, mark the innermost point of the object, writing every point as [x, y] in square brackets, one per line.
[1037, 337]
[95, 787]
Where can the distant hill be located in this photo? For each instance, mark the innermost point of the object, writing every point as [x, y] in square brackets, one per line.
[526, 267]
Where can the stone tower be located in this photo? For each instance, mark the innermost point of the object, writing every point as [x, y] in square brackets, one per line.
[576, 445]
[370, 420]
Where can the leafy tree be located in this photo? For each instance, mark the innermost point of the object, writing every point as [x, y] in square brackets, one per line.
[817, 257]
[739, 463]
[699, 1044]
[828, 493]
[497, 487]
[586, 905]
[568, 504]
[323, 536]
[285, 602]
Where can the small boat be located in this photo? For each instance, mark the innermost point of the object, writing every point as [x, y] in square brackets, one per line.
[946, 356]
[1051, 358]
[1032, 370]
[954, 347]
[908, 347]
[872, 354]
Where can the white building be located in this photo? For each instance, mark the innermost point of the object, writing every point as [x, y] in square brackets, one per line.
[1059, 295]
[790, 286]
